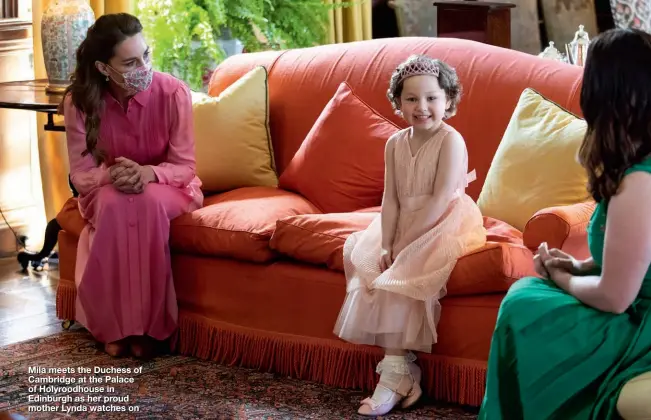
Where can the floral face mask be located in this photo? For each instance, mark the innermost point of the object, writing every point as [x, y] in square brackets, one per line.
[136, 80]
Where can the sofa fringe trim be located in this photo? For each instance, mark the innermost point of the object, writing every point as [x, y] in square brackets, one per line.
[330, 362]
[65, 300]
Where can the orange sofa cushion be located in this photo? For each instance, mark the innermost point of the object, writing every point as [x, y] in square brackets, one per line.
[69, 217]
[340, 165]
[237, 224]
[319, 239]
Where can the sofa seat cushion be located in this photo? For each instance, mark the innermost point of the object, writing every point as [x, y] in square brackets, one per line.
[237, 224]
[319, 239]
[492, 268]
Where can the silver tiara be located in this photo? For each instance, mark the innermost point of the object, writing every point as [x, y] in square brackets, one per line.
[418, 67]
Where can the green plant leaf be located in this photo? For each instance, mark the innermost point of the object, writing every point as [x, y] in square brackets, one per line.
[184, 34]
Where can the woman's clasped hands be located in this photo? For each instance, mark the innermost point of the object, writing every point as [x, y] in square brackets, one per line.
[129, 177]
[558, 266]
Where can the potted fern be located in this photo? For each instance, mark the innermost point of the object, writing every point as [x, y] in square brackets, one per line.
[187, 36]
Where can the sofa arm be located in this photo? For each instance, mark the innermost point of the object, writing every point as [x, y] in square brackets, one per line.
[69, 217]
[562, 227]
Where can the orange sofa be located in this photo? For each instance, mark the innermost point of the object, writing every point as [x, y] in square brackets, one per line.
[258, 270]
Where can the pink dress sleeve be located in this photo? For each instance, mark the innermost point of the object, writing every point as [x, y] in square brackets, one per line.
[85, 174]
[179, 168]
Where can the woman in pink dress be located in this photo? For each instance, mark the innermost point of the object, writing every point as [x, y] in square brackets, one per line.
[131, 149]
[397, 269]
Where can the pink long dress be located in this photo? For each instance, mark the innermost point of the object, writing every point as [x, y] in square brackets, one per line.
[399, 308]
[123, 273]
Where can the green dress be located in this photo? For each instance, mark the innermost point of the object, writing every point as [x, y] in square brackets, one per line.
[553, 357]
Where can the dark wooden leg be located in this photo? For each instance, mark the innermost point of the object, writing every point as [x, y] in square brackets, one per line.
[51, 238]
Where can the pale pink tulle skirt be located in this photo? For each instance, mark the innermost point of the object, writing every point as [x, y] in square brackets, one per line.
[399, 308]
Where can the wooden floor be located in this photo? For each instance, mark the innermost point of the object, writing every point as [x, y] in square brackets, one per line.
[27, 303]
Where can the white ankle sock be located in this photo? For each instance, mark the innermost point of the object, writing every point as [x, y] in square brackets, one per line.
[394, 359]
[392, 369]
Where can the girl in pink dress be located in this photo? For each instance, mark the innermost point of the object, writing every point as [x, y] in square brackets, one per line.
[397, 268]
[131, 149]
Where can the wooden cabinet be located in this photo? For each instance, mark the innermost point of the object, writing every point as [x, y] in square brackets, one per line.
[481, 21]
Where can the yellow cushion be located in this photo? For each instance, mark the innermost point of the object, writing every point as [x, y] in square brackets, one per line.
[233, 143]
[535, 165]
[634, 402]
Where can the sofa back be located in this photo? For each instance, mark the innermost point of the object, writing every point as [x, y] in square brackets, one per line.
[302, 81]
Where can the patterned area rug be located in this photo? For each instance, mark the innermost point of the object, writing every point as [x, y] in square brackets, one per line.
[169, 387]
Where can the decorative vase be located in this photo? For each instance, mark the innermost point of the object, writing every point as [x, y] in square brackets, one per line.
[64, 26]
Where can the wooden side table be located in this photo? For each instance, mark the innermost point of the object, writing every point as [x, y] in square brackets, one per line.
[482, 21]
[30, 95]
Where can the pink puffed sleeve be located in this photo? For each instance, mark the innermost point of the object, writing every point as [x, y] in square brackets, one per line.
[85, 174]
[179, 168]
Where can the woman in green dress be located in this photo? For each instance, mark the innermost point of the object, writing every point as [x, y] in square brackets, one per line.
[566, 343]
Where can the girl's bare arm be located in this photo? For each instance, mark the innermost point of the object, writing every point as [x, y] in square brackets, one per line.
[390, 205]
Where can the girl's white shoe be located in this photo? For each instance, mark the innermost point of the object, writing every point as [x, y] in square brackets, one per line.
[399, 381]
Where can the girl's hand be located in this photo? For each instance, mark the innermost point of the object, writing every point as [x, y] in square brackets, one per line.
[386, 259]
